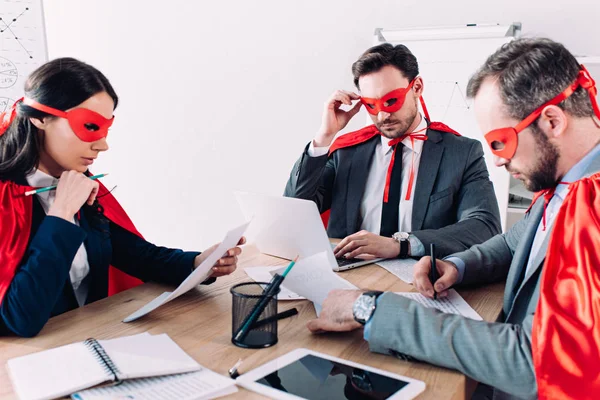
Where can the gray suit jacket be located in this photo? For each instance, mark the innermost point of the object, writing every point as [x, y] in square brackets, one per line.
[454, 202]
[498, 354]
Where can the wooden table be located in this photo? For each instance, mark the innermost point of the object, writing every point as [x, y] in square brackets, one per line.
[200, 322]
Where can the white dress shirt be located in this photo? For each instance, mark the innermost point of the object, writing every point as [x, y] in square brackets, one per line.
[371, 204]
[80, 267]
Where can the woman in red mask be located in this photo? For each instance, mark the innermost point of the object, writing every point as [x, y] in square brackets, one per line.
[71, 246]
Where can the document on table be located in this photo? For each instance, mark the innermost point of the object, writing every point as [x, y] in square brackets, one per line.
[313, 278]
[198, 385]
[401, 267]
[265, 274]
[453, 304]
[200, 274]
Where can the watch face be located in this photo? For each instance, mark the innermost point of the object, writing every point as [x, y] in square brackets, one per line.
[400, 236]
[363, 308]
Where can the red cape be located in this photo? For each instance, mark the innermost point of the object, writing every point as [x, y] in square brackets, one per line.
[566, 325]
[15, 228]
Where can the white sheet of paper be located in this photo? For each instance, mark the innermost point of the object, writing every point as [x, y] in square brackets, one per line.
[203, 384]
[200, 274]
[401, 267]
[221, 393]
[263, 274]
[313, 278]
[453, 304]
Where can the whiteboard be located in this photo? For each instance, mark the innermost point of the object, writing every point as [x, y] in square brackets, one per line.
[447, 59]
[22, 46]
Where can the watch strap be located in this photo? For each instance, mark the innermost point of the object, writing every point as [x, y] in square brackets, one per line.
[403, 248]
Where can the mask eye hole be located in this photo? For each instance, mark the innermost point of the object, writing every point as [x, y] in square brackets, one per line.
[497, 145]
[91, 127]
[391, 102]
[371, 106]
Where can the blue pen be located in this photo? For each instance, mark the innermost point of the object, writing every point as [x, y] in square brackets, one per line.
[267, 293]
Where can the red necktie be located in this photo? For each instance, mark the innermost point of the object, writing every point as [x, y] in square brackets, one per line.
[392, 143]
[548, 194]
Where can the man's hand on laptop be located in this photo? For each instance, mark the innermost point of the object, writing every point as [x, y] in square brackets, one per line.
[367, 245]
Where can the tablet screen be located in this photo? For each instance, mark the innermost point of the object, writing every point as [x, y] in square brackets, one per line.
[314, 378]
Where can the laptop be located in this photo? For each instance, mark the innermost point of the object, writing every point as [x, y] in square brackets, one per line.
[286, 227]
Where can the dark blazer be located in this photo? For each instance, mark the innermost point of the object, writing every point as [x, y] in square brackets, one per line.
[42, 288]
[454, 202]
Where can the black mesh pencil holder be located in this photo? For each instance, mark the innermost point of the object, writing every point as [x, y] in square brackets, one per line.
[263, 333]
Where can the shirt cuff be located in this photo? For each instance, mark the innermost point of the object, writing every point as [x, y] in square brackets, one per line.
[416, 246]
[317, 151]
[460, 266]
[367, 329]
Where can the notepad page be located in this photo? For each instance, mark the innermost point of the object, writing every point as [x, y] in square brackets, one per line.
[203, 384]
[452, 304]
[146, 356]
[55, 373]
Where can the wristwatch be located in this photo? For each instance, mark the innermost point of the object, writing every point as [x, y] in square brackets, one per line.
[365, 305]
[402, 238]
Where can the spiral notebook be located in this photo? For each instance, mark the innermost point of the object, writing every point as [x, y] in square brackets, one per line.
[64, 370]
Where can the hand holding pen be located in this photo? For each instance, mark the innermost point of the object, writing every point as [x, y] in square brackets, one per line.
[433, 270]
[425, 279]
[74, 189]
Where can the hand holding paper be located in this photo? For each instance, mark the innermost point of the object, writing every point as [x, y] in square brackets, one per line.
[226, 264]
[200, 274]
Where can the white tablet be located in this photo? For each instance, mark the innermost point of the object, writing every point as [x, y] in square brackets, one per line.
[307, 374]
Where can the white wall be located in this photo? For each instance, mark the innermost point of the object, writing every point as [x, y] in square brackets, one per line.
[223, 95]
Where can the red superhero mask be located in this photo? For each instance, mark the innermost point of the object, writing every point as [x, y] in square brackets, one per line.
[390, 103]
[88, 125]
[504, 141]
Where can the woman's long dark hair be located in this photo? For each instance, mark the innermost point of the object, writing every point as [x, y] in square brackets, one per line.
[62, 83]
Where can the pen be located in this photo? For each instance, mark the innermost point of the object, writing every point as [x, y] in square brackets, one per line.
[267, 293]
[49, 188]
[282, 315]
[433, 269]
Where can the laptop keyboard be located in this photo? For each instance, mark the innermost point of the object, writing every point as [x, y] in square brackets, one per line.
[347, 261]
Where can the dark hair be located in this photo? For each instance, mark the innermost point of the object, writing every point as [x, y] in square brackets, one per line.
[379, 56]
[531, 72]
[62, 83]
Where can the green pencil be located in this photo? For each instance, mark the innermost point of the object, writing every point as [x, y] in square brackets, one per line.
[49, 188]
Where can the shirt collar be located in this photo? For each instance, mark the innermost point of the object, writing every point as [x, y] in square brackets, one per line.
[577, 172]
[418, 144]
[39, 179]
